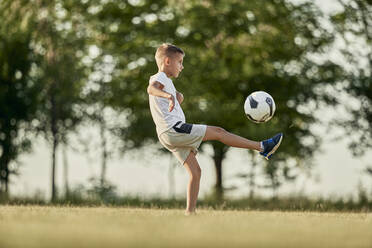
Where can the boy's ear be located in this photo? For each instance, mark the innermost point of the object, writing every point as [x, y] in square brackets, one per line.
[166, 60]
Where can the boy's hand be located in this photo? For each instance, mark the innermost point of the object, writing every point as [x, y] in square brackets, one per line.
[171, 102]
[179, 97]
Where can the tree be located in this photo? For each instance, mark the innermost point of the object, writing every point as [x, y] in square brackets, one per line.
[237, 47]
[18, 91]
[353, 26]
[57, 34]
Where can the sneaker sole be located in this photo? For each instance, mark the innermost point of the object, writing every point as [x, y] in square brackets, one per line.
[274, 149]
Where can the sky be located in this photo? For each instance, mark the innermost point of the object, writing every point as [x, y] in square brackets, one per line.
[145, 173]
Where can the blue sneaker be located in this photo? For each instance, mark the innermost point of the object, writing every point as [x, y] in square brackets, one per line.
[270, 145]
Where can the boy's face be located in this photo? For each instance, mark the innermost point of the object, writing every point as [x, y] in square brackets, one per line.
[174, 64]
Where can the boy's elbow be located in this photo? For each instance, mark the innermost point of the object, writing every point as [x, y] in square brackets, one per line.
[149, 89]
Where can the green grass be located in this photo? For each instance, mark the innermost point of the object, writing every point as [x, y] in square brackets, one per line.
[46, 226]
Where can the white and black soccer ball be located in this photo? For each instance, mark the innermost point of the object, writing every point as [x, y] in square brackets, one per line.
[259, 107]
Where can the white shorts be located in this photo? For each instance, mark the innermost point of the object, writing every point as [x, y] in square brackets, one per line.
[182, 139]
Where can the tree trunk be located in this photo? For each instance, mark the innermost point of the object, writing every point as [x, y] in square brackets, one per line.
[65, 172]
[274, 186]
[4, 174]
[54, 149]
[5, 160]
[55, 144]
[252, 175]
[219, 155]
[7, 179]
[54, 115]
[104, 152]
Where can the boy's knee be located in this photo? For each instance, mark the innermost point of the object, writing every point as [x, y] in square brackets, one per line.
[220, 131]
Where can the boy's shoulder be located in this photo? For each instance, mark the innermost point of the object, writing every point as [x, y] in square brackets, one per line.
[160, 74]
[160, 77]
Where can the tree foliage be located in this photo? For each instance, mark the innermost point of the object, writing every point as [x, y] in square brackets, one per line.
[52, 33]
[354, 26]
[18, 90]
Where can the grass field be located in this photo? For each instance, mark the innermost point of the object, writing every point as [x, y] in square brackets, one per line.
[36, 226]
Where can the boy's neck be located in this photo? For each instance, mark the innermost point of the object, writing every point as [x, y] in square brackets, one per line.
[166, 73]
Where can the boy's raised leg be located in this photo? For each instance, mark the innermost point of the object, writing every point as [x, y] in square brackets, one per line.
[193, 168]
[267, 149]
[230, 139]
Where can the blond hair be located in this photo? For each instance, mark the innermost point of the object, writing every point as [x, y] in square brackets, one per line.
[166, 50]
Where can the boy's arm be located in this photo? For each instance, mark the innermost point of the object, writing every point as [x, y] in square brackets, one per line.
[179, 97]
[156, 89]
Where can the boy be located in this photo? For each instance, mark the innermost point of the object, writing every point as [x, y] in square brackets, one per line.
[181, 138]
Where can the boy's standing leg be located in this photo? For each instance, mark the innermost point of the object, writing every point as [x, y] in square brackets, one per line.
[216, 133]
[193, 168]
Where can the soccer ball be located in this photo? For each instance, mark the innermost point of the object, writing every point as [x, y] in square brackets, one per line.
[259, 107]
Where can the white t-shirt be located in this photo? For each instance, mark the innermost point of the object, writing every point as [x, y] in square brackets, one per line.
[165, 120]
